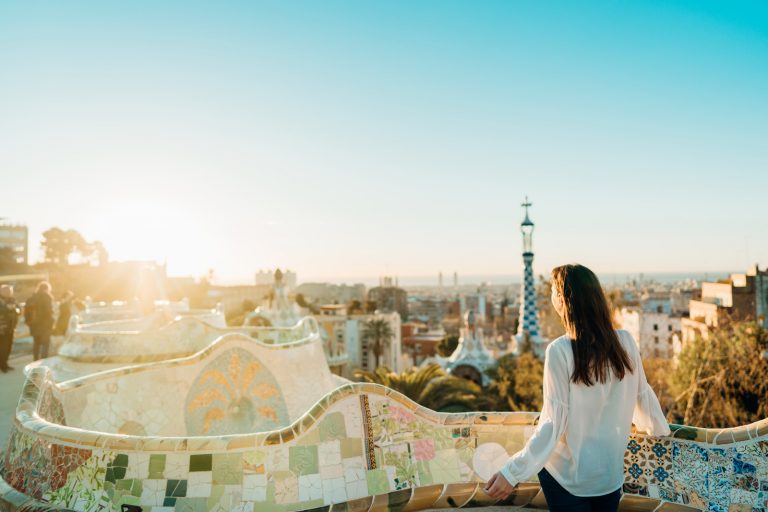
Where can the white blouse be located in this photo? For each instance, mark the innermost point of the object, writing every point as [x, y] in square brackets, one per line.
[583, 431]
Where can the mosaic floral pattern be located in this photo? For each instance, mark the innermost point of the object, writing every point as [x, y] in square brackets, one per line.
[234, 394]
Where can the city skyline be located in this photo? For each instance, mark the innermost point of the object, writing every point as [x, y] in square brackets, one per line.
[398, 139]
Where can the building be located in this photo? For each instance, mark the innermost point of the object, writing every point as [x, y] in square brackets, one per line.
[741, 297]
[341, 330]
[280, 311]
[16, 238]
[471, 358]
[232, 298]
[265, 277]
[388, 297]
[653, 331]
[420, 343]
[329, 293]
[528, 324]
[430, 310]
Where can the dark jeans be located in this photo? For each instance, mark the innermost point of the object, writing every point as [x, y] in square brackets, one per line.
[558, 499]
[40, 344]
[6, 343]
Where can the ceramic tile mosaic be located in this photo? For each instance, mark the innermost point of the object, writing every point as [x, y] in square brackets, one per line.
[360, 447]
[94, 348]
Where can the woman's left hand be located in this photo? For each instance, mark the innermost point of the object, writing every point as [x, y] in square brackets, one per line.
[498, 487]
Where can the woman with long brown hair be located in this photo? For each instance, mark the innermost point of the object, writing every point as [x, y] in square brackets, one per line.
[594, 389]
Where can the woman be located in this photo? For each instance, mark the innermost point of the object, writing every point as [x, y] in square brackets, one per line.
[594, 389]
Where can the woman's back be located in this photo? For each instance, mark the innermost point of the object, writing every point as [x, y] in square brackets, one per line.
[588, 460]
[594, 389]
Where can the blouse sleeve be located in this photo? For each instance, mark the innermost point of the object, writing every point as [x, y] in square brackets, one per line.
[648, 417]
[552, 421]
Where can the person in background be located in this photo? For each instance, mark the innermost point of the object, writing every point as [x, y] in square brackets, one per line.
[9, 317]
[38, 314]
[65, 312]
[594, 389]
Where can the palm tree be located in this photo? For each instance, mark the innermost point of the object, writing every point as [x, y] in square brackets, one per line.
[431, 387]
[377, 334]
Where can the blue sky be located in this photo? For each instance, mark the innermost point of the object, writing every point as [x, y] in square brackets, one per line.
[348, 139]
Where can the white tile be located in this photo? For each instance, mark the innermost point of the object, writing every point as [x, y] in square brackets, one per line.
[329, 453]
[138, 466]
[153, 492]
[310, 487]
[176, 466]
[357, 489]
[199, 484]
[334, 491]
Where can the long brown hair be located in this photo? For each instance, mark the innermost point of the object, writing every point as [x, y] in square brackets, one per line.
[596, 346]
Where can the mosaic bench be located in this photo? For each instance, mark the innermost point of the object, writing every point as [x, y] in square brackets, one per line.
[360, 447]
[109, 345]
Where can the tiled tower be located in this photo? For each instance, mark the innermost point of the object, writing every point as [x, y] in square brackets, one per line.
[529, 313]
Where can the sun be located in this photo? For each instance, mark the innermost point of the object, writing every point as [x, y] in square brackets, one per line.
[153, 229]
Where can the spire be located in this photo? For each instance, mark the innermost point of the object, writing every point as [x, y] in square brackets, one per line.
[528, 324]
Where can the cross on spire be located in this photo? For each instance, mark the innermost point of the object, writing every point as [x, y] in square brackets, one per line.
[526, 204]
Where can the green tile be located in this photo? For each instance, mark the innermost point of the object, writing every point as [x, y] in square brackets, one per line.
[217, 491]
[425, 474]
[332, 427]
[351, 447]
[191, 505]
[176, 488]
[445, 467]
[129, 499]
[200, 462]
[228, 468]
[121, 460]
[303, 460]
[132, 486]
[378, 482]
[156, 466]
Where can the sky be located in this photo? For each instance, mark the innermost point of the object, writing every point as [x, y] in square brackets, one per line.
[355, 139]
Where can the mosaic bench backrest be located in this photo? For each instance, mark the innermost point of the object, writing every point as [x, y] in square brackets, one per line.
[230, 387]
[361, 447]
[182, 336]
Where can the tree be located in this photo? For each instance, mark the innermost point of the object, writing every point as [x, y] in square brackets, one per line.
[549, 320]
[302, 301]
[355, 307]
[720, 381]
[377, 334]
[448, 345]
[516, 383]
[431, 387]
[8, 263]
[58, 245]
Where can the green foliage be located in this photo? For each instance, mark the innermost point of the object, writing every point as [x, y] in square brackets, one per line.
[8, 264]
[301, 300]
[58, 245]
[516, 383]
[721, 381]
[431, 387]
[377, 333]
[355, 307]
[448, 345]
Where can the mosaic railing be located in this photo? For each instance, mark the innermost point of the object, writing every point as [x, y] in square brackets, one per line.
[360, 447]
[105, 346]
